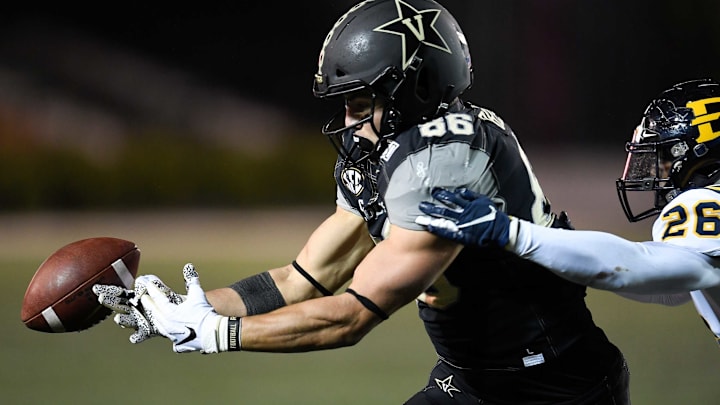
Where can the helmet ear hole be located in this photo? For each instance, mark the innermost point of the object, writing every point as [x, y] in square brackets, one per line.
[339, 73]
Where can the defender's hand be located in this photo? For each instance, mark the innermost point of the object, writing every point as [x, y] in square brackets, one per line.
[465, 217]
[191, 325]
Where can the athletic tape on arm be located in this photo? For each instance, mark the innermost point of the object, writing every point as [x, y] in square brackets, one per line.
[259, 293]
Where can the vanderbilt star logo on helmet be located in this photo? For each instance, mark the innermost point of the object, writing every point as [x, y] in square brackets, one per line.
[414, 27]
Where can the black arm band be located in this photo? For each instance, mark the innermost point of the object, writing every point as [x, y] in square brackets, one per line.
[259, 293]
[310, 278]
[365, 301]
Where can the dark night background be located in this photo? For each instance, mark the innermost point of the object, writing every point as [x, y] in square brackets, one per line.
[562, 73]
[560, 69]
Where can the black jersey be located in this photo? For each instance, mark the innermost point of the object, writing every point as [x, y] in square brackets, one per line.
[498, 311]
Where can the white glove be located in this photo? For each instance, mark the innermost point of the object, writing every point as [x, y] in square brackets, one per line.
[192, 325]
[113, 297]
[122, 301]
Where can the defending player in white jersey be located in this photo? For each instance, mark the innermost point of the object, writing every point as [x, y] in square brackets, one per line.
[674, 153]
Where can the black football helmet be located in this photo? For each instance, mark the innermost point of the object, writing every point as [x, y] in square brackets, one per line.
[676, 147]
[410, 55]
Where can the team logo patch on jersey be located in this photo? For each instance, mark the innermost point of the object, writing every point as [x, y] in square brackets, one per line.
[352, 179]
[414, 27]
[446, 385]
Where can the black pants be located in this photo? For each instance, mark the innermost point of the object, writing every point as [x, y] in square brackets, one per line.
[448, 385]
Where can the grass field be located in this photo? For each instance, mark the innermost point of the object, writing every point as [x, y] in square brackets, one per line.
[672, 357]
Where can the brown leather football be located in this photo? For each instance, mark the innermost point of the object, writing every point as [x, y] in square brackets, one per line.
[59, 297]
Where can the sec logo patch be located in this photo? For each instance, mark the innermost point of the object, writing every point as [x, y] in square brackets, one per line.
[352, 179]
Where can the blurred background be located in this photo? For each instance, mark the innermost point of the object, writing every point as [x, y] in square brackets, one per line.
[192, 130]
[139, 104]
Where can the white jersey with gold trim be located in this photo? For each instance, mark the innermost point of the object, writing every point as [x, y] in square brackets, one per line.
[682, 262]
[692, 220]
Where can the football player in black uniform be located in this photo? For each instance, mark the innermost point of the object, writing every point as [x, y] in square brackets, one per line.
[505, 331]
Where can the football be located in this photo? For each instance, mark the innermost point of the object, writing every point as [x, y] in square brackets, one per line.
[59, 297]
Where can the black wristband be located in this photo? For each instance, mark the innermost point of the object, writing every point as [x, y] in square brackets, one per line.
[233, 334]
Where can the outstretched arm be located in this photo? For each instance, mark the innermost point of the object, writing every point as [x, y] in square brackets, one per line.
[596, 259]
[605, 261]
[325, 263]
[391, 275]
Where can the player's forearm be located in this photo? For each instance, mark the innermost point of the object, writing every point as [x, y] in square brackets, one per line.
[226, 302]
[605, 261]
[256, 294]
[325, 263]
[322, 323]
[261, 293]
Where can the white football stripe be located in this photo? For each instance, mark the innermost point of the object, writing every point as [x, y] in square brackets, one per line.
[122, 271]
[52, 319]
